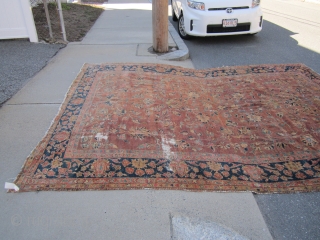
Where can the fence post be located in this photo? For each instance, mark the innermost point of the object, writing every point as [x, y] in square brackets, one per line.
[45, 4]
[62, 21]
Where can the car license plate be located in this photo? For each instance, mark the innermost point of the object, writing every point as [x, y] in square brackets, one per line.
[229, 22]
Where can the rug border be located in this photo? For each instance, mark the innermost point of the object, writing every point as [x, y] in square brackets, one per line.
[53, 123]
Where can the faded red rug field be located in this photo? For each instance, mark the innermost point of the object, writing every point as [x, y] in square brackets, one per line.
[136, 126]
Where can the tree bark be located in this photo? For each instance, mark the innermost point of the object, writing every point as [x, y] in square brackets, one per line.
[160, 25]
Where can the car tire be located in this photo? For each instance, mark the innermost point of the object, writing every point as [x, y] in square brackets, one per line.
[174, 17]
[181, 28]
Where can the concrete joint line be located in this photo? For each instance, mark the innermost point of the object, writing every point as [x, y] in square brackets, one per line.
[171, 226]
[21, 104]
[179, 55]
[95, 44]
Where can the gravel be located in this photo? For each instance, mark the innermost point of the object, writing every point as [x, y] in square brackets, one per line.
[20, 60]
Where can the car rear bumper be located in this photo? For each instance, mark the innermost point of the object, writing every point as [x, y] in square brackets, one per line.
[209, 23]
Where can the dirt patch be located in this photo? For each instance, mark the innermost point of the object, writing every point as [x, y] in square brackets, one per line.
[78, 19]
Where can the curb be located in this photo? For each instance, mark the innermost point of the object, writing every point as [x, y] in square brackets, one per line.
[179, 55]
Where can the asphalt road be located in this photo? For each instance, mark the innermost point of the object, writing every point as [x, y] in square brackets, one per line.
[20, 60]
[297, 43]
[291, 34]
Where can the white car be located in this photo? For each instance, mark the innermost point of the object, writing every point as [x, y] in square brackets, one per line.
[217, 17]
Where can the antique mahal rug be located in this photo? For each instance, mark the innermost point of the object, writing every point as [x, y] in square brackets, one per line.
[147, 126]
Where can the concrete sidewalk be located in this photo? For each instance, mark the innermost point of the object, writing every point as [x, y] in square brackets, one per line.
[120, 35]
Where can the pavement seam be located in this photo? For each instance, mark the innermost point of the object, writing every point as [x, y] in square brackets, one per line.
[20, 104]
[171, 226]
[94, 44]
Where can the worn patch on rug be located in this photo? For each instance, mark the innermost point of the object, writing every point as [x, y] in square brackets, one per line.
[136, 126]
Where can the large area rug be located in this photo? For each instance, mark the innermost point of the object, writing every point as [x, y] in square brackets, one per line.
[144, 126]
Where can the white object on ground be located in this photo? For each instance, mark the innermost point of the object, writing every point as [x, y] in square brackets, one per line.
[8, 185]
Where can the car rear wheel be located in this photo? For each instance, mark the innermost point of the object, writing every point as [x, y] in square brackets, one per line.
[182, 29]
[174, 17]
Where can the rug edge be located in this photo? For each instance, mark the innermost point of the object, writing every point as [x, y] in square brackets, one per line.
[53, 123]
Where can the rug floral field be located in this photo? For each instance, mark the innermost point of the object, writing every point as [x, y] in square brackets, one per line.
[138, 126]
